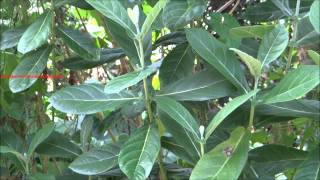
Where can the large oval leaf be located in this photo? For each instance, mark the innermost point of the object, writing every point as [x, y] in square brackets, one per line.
[273, 44]
[39, 137]
[294, 85]
[226, 160]
[27, 72]
[202, 86]
[226, 110]
[88, 99]
[97, 160]
[314, 15]
[116, 12]
[139, 153]
[216, 54]
[177, 64]
[79, 42]
[179, 113]
[310, 168]
[37, 33]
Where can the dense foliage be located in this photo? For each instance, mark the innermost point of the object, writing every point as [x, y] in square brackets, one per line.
[167, 89]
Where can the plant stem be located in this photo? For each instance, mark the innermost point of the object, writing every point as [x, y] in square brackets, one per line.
[162, 170]
[294, 36]
[253, 104]
[202, 148]
[145, 84]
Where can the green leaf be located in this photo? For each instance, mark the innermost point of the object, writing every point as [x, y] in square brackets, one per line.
[37, 33]
[80, 43]
[179, 113]
[269, 160]
[97, 160]
[273, 44]
[226, 160]
[216, 54]
[183, 139]
[10, 38]
[39, 137]
[310, 168]
[178, 37]
[221, 24]
[256, 31]
[307, 36]
[40, 176]
[295, 108]
[202, 86]
[177, 13]
[85, 132]
[226, 110]
[177, 64]
[88, 99]
[252, 63]
[106, 56]
[122, 82]
[294, 85]
[314, 56]
[152, 17]
[314, 15]
[27, 72]
[139, 153]
[58, 145]
[6, 149]
[116, 12]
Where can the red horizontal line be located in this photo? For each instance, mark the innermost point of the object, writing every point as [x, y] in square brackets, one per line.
[32, 76]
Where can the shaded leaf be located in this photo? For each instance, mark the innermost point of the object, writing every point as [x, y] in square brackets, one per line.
[177, 37]
[37, 33]
[307, 35]
[314, 15]
[85, 132]
[202, 86]
[80, 43]
[310, 168]
[88, 99]
[139, 153]
[28, 71]
[226, 160]
[256, 31]
[314, 56]
[252, 63]
[294, 85]
[226, 110]
[216, 54]
[179, 113]
[10, 38]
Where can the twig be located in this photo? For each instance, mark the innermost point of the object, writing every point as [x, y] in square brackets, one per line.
[234, 7]
[227, 4]
[82, 22]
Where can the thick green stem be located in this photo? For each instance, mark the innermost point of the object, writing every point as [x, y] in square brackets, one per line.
[202, 148]
[253, 104]
[162, 169]
[145, 84]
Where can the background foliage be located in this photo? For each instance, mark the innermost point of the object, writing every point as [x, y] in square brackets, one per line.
[166, 89]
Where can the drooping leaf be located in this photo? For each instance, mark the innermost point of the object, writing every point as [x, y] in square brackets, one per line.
[221, 24]
[10, 38]
[269, 160]
[37, 33]
[79, 42]
[202, 86]
[57, 145]
[256, 31]
[183, 139]
[122, 82]
[39, 137]
[27, 72]
[152, 17]
[294, 85]
[178, 37]
[106, 56]
[314, 15]
[252, 63]
[139, 153]
[97, 160]
[88, 99]
[226, 160]
[273, 44]
[216, 54]
[306, 34]
[179, 113]
[177, 64]
[85, 132]
[310, 168]
[226, 110]
[178, 13]
[295, 108]
[116, 12]
[314, 56]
